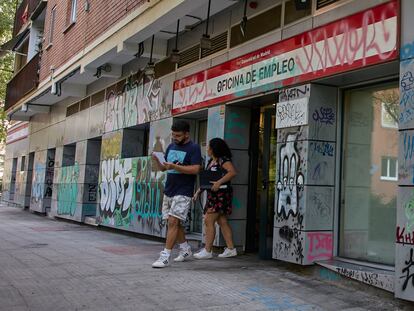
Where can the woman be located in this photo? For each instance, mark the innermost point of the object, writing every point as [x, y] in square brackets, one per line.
[219, 200]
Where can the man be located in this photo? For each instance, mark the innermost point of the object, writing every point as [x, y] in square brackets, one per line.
[183, 162]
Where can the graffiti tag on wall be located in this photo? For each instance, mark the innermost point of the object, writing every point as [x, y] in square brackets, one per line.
[131, 195]
[137, 103]
[67, 190]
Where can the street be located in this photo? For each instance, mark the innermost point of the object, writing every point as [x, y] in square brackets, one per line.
[48, 264]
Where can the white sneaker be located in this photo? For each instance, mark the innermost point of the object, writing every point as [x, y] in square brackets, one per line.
[163, 261]
[203, 254]
[228, 253]
[183, 254]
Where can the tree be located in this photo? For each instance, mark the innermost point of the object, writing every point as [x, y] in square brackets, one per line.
[7, 11]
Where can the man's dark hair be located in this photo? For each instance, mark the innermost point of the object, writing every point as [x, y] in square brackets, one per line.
[180, 126]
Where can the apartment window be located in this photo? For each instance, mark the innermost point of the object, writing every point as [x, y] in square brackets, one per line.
[73, 4]
[389, 168]
[52, 24]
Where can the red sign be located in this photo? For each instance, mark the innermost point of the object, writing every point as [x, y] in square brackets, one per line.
[366, 38]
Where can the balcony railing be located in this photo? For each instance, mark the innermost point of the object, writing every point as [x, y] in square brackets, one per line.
[23, 13]
[25, 81]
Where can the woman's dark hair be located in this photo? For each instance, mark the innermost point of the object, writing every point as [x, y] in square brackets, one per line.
[220, 148]
[180, 126]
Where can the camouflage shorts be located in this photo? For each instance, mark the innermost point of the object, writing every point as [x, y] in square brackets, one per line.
[176, 206]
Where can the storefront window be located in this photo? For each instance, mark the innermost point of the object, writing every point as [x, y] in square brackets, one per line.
[369, 174]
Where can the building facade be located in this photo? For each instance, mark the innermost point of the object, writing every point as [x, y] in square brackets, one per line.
[313, 97]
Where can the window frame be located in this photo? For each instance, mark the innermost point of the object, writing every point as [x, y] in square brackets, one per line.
[389, 177]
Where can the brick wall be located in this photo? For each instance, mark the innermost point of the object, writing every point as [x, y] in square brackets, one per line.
[67, 42]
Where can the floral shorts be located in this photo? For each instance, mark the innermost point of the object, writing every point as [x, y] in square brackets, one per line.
[219, 202]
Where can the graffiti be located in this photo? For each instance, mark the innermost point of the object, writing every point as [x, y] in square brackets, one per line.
[408, 146]
[409, 274]
[67, 190]
[92, 192]
[282, 249]
[130, 197]
[38, 184]
[378, 280]
[353, 44]
[324, 116]
[287, 233]
[404, 237]
[191, 92]
[137, 103]
[407, 50]
[320, 246]
[49, 176]
[234, 123]
[291, 180]
[320, 170]
[294, 93]
[406, 93]
[292, 113]
[116, 189]
[328, 275]
[321, 148]
[320, 207]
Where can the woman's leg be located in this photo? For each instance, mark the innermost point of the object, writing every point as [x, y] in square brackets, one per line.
[226, 230]
[209, 222]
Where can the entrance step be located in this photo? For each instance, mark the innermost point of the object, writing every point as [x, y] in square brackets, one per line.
[91, 221]
[380, 278]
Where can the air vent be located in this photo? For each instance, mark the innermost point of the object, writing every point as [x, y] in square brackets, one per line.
[323, 3]
[98, 98]
[164, 67]
[72, 109]
[190, 55]
[218, 43]
[85, 103]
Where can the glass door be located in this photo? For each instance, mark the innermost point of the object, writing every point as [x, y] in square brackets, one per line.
[369, 174]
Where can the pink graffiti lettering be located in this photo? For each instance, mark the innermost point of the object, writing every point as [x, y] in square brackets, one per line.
[346, 45]
[189, 93]
[320, 246]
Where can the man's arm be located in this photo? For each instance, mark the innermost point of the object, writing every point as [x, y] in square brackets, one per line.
[183, 169]
[160, 166]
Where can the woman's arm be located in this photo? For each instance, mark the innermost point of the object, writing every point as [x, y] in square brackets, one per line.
[231, 173]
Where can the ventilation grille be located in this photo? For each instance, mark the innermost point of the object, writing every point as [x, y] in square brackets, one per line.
[85, 103]
[218, 43]
[98, 98]
[190, 55]
[323, 3]
[72, 109]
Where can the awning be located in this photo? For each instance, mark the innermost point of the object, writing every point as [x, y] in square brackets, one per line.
[10, 45]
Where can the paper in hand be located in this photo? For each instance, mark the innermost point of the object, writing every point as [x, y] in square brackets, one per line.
[160, 157]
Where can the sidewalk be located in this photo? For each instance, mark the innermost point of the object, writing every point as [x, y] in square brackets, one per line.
[54, 265]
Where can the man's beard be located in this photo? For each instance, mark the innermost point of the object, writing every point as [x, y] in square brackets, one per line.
[179, 142]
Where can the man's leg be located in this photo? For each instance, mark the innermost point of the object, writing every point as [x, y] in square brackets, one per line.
[181, 235]
[173, 232]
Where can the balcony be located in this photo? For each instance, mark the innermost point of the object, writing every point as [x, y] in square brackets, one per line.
[25, 81]
[24, 13]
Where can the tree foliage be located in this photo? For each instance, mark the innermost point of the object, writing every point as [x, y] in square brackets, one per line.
[7, 11]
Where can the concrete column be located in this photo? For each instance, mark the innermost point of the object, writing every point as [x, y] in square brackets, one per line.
[303, 226]
[404, 258]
